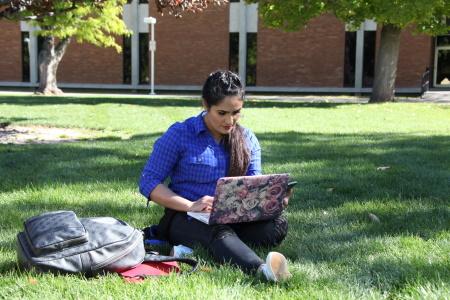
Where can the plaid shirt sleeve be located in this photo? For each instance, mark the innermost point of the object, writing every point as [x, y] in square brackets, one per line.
[162, 160]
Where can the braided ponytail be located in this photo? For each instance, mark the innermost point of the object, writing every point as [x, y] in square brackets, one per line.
[239, 154]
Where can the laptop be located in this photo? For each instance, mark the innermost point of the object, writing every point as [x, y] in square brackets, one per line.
[246, 199]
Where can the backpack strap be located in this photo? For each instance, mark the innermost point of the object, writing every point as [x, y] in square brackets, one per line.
[152, 257]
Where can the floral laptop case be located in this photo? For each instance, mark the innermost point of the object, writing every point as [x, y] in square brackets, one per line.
[246, 199]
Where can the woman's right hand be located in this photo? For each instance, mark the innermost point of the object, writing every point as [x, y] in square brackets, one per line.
[204, 204]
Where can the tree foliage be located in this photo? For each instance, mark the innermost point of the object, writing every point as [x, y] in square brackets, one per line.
[93, 21]
[98, 22]
[426, 15]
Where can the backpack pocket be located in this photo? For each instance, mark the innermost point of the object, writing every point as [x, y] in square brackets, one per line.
[53, 231]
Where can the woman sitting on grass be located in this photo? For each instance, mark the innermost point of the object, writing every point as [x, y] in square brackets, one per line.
[195, 154]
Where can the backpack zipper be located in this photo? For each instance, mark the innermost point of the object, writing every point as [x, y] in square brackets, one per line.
[117, 257]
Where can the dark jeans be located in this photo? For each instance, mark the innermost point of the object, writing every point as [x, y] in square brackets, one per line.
[228, 243]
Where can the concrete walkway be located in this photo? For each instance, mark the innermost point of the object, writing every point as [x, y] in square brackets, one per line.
[437, 96]
[442, 97]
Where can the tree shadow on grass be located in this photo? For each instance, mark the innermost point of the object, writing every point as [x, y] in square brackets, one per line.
[13, 215]
[385, 256]
[347, 163]
[332, 170]
[396, 274]
[341, 182]
[100, 160]
[339, 237]
[15, 120]
[153, 102]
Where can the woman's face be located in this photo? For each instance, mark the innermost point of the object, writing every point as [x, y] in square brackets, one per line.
[222, 118]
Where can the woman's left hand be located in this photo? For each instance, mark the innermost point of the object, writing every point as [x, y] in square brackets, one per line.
[289, 194]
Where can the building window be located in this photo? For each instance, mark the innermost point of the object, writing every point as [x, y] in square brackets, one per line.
[441, 75]
[368, 63]
[126, 59]
[25, 57]
[443, 67]
[442, 60]
[234, 52]
[251, 59]
[369, 58]
[143, 58]
[233, 59]
[350, 57]
[443, 40]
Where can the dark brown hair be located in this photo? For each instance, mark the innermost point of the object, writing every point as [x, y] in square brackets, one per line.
[219, 85]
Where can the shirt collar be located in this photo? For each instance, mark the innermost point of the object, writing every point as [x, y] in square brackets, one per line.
[199, 123]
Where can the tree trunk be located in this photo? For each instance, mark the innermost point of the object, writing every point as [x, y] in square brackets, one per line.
[49, 58]
[386, 65]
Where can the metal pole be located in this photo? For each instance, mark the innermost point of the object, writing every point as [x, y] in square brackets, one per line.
[152, 48]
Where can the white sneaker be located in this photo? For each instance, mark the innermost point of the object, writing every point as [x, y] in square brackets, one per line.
[276, 267]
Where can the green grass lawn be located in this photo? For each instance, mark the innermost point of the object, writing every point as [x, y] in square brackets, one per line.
[334, 150]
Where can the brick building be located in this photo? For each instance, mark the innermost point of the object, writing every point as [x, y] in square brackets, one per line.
[324, 57]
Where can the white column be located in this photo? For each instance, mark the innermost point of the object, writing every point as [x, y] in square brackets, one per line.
[33, 52]
[135, 42]
[359, 58]
[242, 41]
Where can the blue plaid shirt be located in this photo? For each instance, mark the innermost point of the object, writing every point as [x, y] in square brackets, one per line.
[189, 155]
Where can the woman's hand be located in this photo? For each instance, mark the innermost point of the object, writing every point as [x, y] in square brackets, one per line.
[167, 198]
[289, 194]
[204, 204]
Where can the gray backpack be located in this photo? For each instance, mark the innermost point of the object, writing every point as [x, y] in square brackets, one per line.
[59, 241]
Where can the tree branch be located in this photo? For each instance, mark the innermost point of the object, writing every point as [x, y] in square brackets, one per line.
[61, 47]
[177, 7]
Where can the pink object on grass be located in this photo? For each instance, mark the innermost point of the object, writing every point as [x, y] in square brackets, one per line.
[147, 269]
